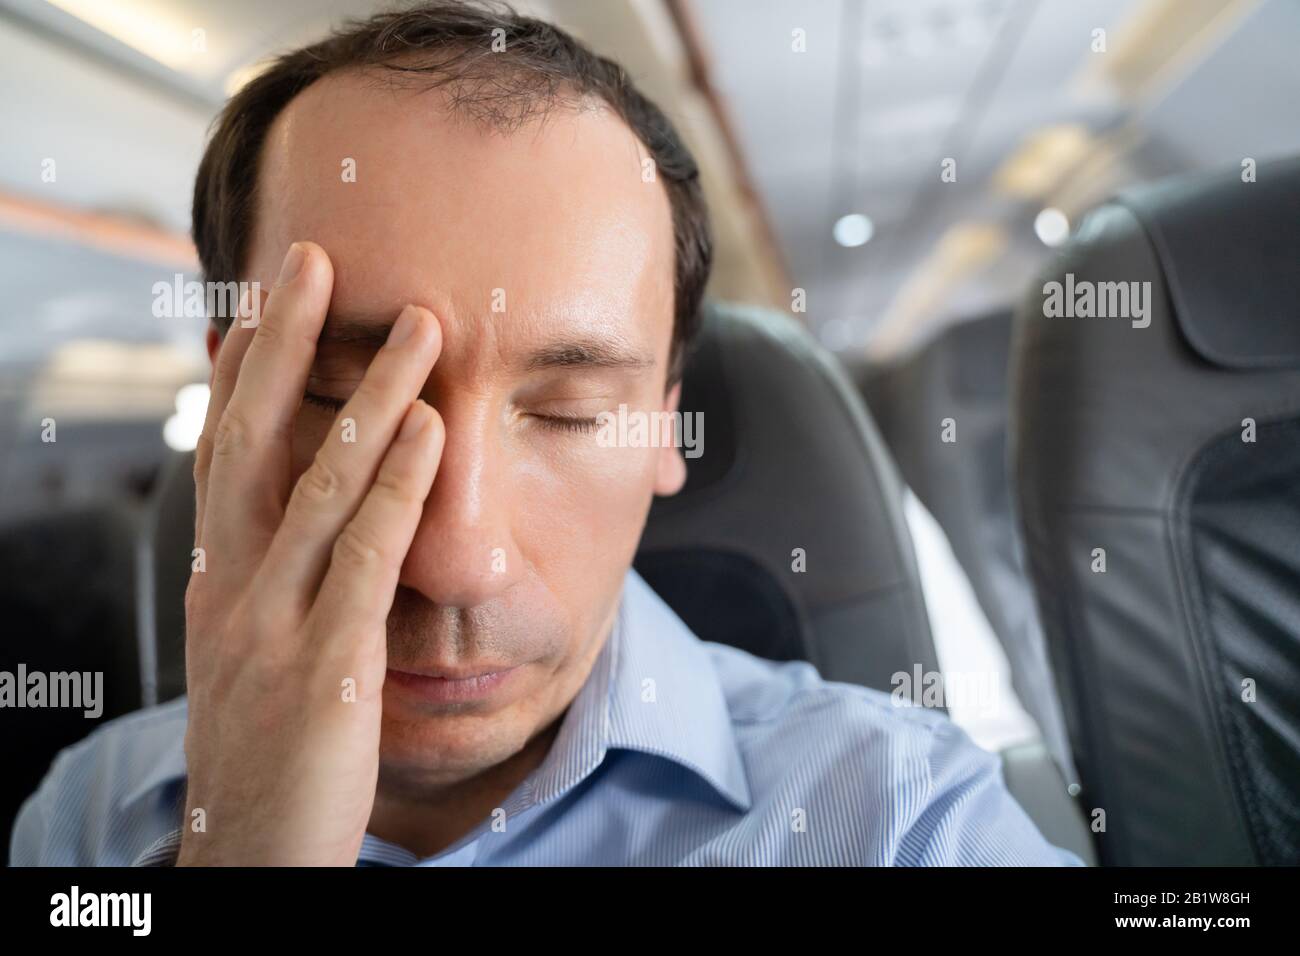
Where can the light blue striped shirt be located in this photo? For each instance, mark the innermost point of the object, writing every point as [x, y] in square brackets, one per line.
[675, 751]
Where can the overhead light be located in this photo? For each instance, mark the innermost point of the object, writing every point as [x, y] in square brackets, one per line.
[181, 431]
[103, 380]
[854, 230]
[1106, 167]
[1042, 160]
[1160, 42]
[147, 26]
[1052, 226]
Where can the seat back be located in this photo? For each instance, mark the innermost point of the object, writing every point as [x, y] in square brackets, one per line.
[1157, 463]
[171, 530]
[68, 602]
[788, 540]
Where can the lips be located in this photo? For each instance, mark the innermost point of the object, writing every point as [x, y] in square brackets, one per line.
[438, 673]
[445, 686]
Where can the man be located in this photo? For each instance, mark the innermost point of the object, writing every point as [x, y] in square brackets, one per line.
[416, 636]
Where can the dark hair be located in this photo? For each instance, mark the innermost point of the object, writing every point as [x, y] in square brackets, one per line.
[448, 45]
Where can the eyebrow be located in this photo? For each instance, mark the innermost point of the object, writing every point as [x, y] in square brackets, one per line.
[586, 352]
[346, 331]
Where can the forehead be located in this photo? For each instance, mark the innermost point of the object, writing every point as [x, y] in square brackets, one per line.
[553, 220]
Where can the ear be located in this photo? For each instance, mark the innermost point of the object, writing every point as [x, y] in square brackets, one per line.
[670, 468]
[214, 346]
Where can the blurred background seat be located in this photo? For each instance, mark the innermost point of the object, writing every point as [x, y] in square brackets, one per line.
[169, 530]
[1172, 453]
[960, 376]
[68, 602]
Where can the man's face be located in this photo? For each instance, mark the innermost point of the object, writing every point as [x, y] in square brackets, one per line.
[548, 261]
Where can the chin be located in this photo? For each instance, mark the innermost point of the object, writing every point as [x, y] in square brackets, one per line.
[447, 745]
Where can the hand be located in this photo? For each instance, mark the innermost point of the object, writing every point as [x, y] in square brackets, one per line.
[293, 603]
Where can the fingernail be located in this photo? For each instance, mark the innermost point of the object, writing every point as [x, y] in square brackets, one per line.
[403, 327]
[292, 265]
[415, 419]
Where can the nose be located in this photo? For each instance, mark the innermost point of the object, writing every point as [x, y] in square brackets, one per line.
[464, 554]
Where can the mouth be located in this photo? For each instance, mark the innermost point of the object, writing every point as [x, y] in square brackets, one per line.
[445, 687]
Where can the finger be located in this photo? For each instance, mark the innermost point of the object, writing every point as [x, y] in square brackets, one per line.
[329, 493]
[366, 559]
[251, 447]
[225, 372]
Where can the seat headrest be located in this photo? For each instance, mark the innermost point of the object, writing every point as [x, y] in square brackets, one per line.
[793, 465]
[1230, 254]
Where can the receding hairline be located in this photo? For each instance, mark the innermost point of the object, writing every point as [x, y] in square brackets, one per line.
[454, 107]
[501, 92]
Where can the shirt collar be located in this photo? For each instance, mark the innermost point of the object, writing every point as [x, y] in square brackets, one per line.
[166, 758]
[653, 689]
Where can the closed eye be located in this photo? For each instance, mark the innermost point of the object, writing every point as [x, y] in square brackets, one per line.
[565, 423]
[323, 401]
[568, 423]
